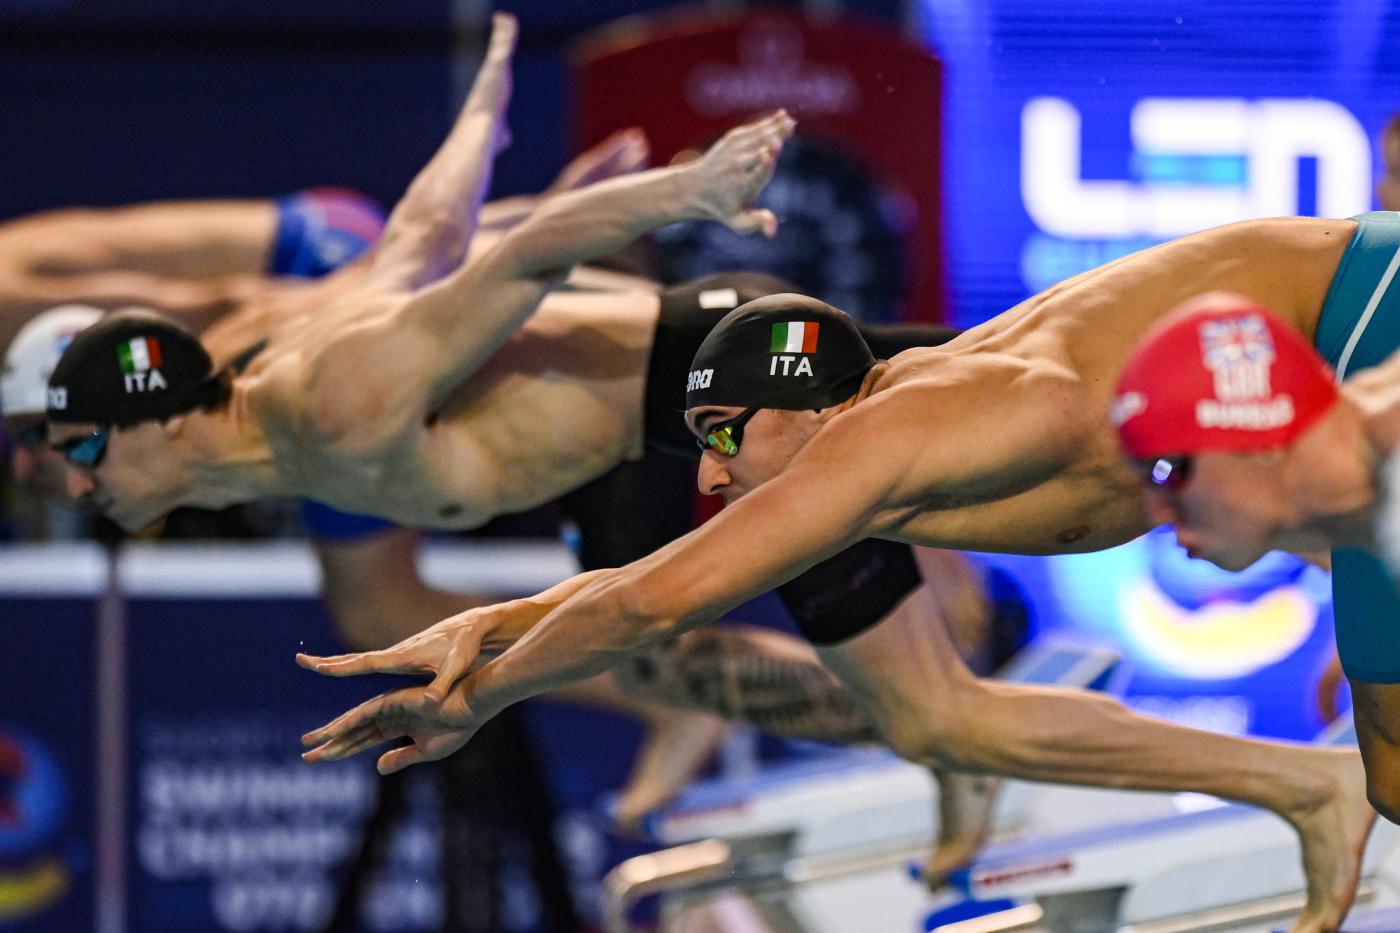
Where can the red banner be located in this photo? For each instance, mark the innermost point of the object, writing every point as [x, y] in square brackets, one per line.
[865, 97]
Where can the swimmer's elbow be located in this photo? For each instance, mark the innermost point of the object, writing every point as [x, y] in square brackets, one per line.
[946, 737]
[524, 254]
[947, 744]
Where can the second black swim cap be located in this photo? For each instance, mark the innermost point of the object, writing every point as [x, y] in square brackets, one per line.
[780, 351]
[131, 366]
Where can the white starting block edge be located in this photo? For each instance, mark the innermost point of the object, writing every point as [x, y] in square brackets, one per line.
[271, 569]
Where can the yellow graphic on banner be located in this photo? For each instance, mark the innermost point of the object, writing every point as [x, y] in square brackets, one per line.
[27, 891]
[1221, 640]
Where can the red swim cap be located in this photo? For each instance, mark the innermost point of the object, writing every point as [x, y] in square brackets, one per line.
[1219, 373]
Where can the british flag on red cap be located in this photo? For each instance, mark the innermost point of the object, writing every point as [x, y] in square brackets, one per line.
[1219, 373]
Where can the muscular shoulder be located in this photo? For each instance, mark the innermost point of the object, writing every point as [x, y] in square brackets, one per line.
[968, 426]
[285, 391]
[1277, 236]
[354, 396]
[941, 378]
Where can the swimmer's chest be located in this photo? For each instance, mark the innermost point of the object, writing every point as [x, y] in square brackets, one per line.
[404, 484]
[1084, 507]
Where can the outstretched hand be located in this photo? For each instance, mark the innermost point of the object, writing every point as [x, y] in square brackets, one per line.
[447, 651]
[499, 49]
[436, 729]
[621, 153]
[735, 170]
[504, 31]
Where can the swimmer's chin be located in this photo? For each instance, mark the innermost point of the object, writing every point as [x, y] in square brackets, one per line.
[1231, 562]
[141, 526]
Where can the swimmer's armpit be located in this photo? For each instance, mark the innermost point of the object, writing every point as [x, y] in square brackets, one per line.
[734, 674]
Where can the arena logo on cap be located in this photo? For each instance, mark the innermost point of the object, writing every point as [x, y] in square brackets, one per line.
[1239, 352]
[140, 362]
[699, 379]
[790, 338]
[1126, 406]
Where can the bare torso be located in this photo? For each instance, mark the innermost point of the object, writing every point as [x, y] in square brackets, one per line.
[559, 404]
[1028, 392]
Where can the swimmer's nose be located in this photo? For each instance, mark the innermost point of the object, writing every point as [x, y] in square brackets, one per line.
[78, 484]
[1160, 510]
[712, 476]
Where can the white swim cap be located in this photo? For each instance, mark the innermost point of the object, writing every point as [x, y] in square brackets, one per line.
[34, 352]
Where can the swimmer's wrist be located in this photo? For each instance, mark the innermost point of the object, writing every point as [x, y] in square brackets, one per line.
[491, 689]
[687, 192]
[510, 623]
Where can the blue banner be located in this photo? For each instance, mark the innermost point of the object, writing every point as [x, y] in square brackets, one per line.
[1083, 133]
[48, 821]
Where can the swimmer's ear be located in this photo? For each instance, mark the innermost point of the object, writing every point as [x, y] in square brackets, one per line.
[171, 427]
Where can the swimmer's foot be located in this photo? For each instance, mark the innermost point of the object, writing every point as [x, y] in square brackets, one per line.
[966, 803]
[1333, 833]
[946, 858]
[678, 745]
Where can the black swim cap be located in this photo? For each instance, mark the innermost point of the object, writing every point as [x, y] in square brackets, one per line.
[779, 351]
[129, 367]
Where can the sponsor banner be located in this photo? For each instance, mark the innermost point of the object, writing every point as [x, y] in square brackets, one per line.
[1159, 128]
[227, 829]
[859, 189]
[48, 826]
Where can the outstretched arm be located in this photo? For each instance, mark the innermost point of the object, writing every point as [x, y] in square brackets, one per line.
[456, 325]
[430, 227]
[194, 260]
[766, 538]
[171, 239]
[621, 153]
[453, 646]
[376, 597]
[424, 345]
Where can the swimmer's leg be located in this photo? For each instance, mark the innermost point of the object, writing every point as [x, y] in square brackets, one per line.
[965, 805]
[679, 742]
[1377, 711]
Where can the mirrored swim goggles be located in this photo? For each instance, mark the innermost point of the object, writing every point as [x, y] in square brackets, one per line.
[724, 437]
[86, 452]
[1171, 473]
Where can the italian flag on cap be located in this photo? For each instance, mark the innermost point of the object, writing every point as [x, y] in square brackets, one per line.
[795, 337]
[139, 354]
